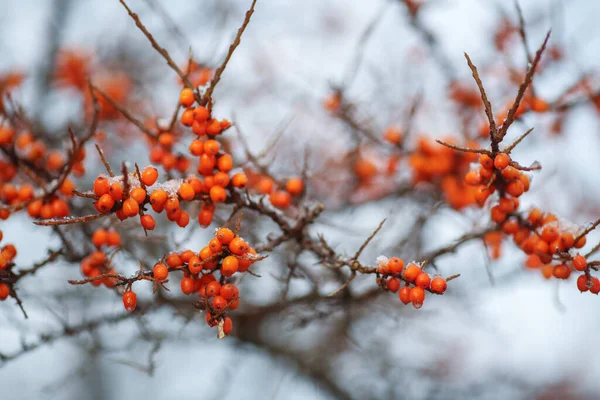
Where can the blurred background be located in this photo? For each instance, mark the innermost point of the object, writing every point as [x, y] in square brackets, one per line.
[501, 331]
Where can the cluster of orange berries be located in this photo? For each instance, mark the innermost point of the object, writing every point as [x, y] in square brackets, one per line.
[162, 153]
[416, 280]
[198, 74]
[97, 263]
[35, 151]
[497, 173]
[199, 118]
[7, 254]
[226, 254]
[443, 166]
[280, 196]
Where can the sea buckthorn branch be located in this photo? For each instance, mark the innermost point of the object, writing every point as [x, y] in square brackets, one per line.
[510, 117]
[161, 50]
[207, 96]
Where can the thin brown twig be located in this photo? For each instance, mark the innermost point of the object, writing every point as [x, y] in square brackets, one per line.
[207, 97]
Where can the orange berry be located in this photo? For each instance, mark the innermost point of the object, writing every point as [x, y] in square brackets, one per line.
[99, 238]
[129, 300]
[473, 178]
[580, 243]
[183, 220]
[196, 147]
[221, 179]
[411, 272]
[205, 253]
[195, 265]
[158, 198]
[579, 262]
[187, 118]
[294, 186]
[229, 266]
[174, 260]
[515, 188]
[595, 285]
[113, 238]
[101, 186]
[186, 97]
[392, 135]
[214, 127]
[566, 241]
[404, 295]
[510, 173]
[148, 222]
[166, 140]
[116, 191]
[229, 292]
[187, 285]
[201, 114]
[218, 194]
[215, 246]
[212, 289]
[561, 271]
[506, 205]
[34, 208]
[199, 128]
[417, 296]
[535, 217]
[172, 205]
[423, 280]
[212, 147]
[130, 207]
[219, 303]
[265, 185]
[393, 285]
[105, 203]
[550, 234]
[205, 217]
[439, 285]
[4, 291]
[161, 272]
[497, 215]
[149, 176]
[225, 235]
[501, 161]
[280, 199]
[138, 194]
[582, 283]
[239, 180]
[486, 161]
[186, 191]
[395, 265]
[225, 163]
[238, 246]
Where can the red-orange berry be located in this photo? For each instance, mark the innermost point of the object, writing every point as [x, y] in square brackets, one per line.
[561, 271]
[4, 291]
[229, 266]
[393, 284]
[417, 296]
[161, 272]
[582, 283]
[149, 176]
[229, 291]
[129, 300]
[212, 289]
[101, 186]
[186, 97]
[148, 222]
[294, 186]
[225, 235]
[438, 285]
[404, 295]
[423, 280]
[174, 260]
[238, 246]
[219, 303]
[99, 238]
[104, 204]
[130, 207]
[239, 180]
[411, 272]
[501, 161]
[280, 199]
[187, 285]
[395, 265]
[227, 325]
[579, 262]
